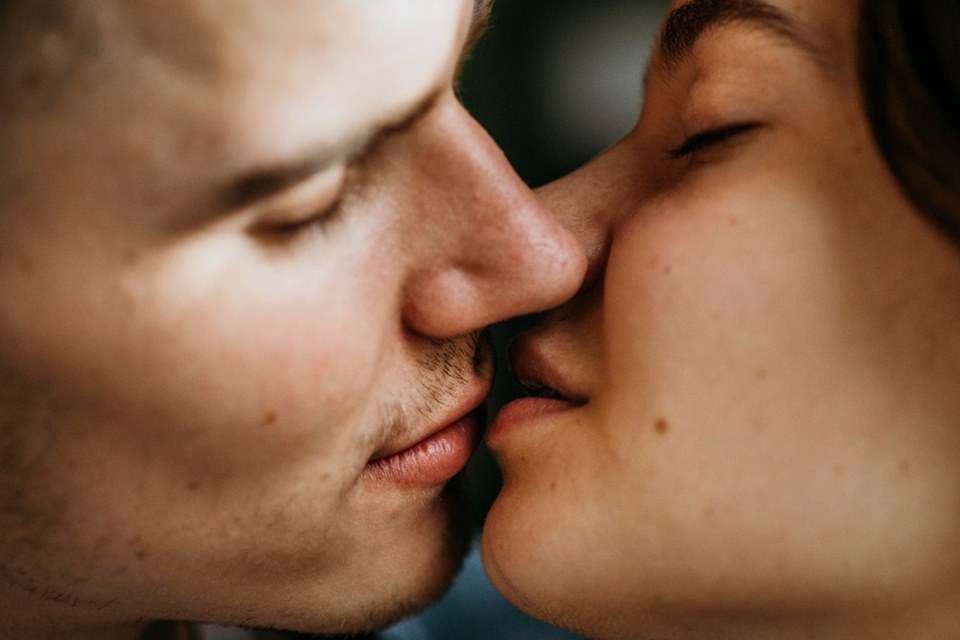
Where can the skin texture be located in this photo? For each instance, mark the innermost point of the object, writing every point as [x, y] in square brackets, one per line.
[762, 437]
[193, 374]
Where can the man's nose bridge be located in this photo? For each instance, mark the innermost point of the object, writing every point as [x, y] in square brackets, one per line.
[478, 178]
[491, 251]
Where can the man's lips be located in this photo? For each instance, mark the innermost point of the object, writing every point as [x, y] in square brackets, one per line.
[431, 461]
[436, 457]
[472, 401]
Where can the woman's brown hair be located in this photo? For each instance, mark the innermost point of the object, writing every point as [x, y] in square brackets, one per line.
[910, 70]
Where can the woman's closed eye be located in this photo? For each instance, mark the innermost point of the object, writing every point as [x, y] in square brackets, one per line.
[710, 138]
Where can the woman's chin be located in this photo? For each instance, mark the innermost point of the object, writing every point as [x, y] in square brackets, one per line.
[538, 572]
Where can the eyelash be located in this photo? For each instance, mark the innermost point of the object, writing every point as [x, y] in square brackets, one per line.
[709, 138]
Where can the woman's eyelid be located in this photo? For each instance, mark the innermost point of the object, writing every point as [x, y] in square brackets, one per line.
[710, 136]
[716, 105]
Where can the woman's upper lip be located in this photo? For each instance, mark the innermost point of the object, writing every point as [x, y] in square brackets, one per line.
[474, 398]
[535, 369]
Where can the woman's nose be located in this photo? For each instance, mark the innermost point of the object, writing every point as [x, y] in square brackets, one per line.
[489, 250]
[586, 202]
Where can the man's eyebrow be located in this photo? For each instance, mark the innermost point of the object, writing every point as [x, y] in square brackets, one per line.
[685, 25]
[262, 183]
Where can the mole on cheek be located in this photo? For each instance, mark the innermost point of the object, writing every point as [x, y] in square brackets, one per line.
[661, 426]
[25, 264]
[270, 418]
[130, 255]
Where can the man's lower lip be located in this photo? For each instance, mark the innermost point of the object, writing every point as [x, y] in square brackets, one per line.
[521, 413]
[431, 461]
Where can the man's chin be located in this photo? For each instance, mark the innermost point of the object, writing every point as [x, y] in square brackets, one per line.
[447, 565]
[409, 587]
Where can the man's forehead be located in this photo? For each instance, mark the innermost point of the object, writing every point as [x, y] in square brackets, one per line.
[196, 35]
[192, 92]
[201, 31]
[338, 51]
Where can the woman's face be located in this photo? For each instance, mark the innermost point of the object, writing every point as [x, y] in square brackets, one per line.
[752, 411]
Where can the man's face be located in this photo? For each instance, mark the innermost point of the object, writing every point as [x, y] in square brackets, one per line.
[246, 249]
[765, 376]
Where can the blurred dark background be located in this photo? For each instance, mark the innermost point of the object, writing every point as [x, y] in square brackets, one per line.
[554, 82]
[557, 81]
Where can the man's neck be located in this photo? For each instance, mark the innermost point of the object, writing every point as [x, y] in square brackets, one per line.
[56, 631]
[37, 619]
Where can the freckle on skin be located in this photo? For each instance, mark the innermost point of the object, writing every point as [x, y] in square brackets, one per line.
[553, 485]
[193, 485]
[25, 264]
[905, 467]
[838, 470]
[709, 512]
[270, 418]
[661, 426]
[761, 374]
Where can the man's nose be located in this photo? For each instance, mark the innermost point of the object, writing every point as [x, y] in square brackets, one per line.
[489, 249]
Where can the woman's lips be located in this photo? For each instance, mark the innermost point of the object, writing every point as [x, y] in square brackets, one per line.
[548, 390]
[432, 461]
[522, 412]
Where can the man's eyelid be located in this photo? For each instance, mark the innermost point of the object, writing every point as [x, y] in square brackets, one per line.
[301, 201]
[290, 208]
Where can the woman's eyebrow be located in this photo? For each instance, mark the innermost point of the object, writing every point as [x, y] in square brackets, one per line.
[685, 25]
